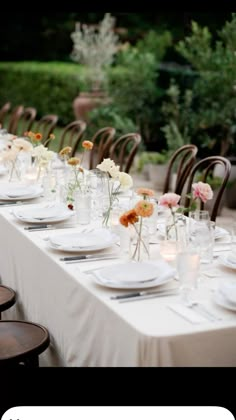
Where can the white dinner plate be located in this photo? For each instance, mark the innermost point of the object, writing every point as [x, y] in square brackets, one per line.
[42, 214]
[12, 192]
[222, 301]
[108, 277]
[224, 260]
[88, 241]
[131, 272]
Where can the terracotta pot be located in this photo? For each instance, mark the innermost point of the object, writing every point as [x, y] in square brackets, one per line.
[86, 101]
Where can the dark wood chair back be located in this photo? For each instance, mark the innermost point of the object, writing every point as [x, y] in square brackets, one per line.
[182, 162]
[72, 135]
[3, 112]
[26, 120]
[46, 125]
[124, 149]
[14, 119]
[102, 141]
[206, 166]
[7, 298]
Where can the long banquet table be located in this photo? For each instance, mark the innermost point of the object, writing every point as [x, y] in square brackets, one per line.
[87, 328]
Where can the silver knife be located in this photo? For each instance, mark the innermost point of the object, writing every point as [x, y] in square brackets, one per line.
[150, 295]
[142, 293]
[88, 257]
[47, 227]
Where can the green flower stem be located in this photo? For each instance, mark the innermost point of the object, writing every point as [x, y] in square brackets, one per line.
[139, 241]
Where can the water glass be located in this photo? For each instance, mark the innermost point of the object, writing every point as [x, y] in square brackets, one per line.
[202, 234]
[83, 206]
[188, 265]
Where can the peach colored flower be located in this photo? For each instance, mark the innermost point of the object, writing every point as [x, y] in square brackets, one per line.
[74, 161]
[146, 192]
[129, 217]
[88, 145]
[65, 151]
[144, 208]
[52, 136]
[169, 200]
[203, 191]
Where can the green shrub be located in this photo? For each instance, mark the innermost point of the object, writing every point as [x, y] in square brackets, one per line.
[49, 87]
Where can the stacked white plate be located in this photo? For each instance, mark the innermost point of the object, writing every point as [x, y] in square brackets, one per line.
[12, 192]
[134, 275]
[43, 214]
[225, 296]
[228, 260]
[83, 241]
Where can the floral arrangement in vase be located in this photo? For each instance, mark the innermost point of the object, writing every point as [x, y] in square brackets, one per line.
[11, 155]
[116, 181]
[201, 191]
[134, 218]
[36, 138]
[77, 179]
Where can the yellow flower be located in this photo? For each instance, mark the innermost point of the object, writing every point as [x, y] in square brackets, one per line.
[52, 136]
[65, 151]
[74, 161]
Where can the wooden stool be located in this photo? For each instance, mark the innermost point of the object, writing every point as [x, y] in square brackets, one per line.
[22, 342]
[7, 298]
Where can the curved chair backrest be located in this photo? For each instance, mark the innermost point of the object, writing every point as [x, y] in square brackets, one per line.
[26, 120]
[124, 149]
[206, 166]
[3, 112]
[71, 135]
[102, 141]
[46, 126]
[14, 119]
[182, 161]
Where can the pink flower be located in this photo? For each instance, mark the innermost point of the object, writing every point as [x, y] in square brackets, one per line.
[169, 200]
[203, 191]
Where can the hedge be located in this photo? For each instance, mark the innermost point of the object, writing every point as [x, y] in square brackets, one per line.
[49, 87]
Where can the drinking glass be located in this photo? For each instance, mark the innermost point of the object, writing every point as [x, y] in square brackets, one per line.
[188, 264]
[202, 234]
[83, 206]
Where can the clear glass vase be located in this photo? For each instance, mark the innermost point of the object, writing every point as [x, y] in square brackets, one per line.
[14, 171]
[139, 242]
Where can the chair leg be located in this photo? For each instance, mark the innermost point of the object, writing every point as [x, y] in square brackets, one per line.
[32, 362]
[0, 316]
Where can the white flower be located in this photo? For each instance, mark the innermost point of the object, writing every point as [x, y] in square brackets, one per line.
[9, 154]
[106, 165]
[114, 172]
[126, 181]
[43, 154]
[22, 145]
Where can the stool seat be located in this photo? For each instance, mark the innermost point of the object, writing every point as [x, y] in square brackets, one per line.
[22, 342]
[7, 298]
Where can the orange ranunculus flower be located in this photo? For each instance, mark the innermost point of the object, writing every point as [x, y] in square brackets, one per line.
[38, 136]
[146, 192]
[74, 161]
[88, 145]
[52, 136]
[144, 209]
[65, 151]
[129, 217]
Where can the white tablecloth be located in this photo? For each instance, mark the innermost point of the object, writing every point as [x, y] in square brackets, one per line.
[87, 328]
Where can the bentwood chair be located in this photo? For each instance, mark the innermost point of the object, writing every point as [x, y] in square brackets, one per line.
[123, 150]
[102, 140]
[205, 167]
[46, 126]
[3, 112]
[25, 121]
[72, 135]
[7, 298]
[14, 119]
[181, 163]
[21, 343]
